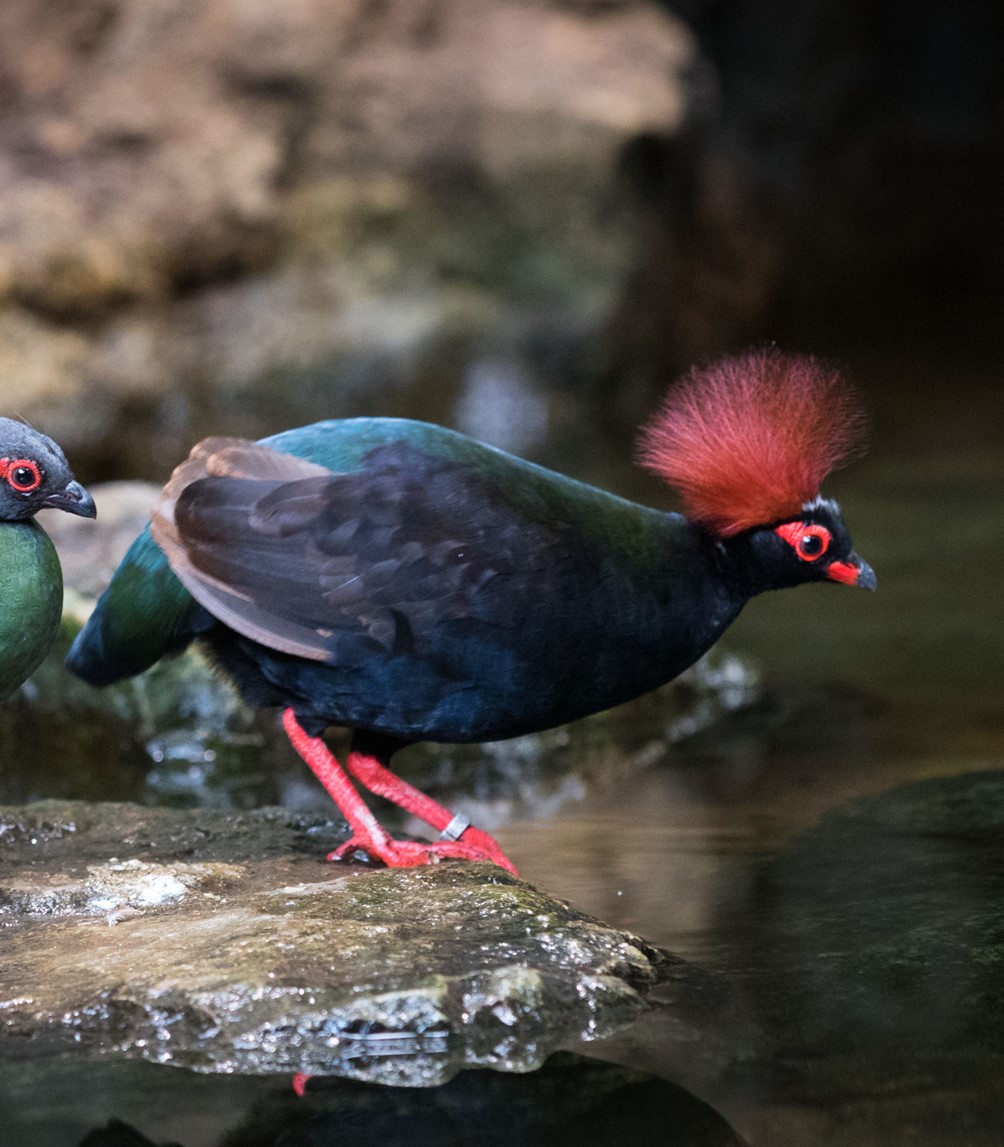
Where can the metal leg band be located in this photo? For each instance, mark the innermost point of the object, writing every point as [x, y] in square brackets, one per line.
[456, 828]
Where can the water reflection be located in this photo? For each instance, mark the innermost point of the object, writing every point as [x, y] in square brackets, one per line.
[853, 911]
[570, 1101]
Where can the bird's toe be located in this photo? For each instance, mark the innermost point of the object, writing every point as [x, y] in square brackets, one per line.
[477, 846]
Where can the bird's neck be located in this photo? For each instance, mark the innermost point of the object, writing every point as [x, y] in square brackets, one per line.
[743, 565]
[699, 588]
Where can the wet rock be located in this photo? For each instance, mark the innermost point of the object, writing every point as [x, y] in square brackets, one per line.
[902, 893]
[114, 890]
[234, 947]
[874, 963]
[178, 733]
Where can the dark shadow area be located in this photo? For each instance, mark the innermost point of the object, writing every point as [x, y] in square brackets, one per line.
[569, 1101]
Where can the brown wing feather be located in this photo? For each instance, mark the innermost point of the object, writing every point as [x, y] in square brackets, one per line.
[246, 462]
[306, 560]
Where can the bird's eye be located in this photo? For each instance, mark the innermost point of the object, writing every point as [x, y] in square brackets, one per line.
[810, 546]
[808, 539]
[813, 542]
[23, 475]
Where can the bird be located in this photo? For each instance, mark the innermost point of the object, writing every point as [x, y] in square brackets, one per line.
[34, 475]
[408, 583]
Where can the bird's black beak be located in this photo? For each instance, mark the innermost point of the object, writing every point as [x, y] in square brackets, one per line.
[854, 571]
[74, 499]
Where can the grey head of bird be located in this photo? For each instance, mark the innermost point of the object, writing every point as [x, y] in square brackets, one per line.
[34, 475]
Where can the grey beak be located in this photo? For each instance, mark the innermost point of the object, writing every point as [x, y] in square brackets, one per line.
[854, 571]
[866, 578]
[74, 499]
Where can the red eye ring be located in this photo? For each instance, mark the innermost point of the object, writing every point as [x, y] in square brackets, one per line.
[13, 472]
[809, 540]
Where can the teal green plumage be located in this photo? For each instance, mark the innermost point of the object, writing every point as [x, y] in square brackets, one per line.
[34, 475]
[31, 590]
[144, 614]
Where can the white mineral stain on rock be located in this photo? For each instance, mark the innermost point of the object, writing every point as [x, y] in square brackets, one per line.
[116, 889]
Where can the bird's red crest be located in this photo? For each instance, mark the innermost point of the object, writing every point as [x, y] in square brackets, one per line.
[748, 440]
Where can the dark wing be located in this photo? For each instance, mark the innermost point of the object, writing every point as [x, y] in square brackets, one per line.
[296, 557]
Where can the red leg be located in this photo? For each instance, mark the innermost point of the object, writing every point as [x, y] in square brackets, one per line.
[367, 834]
[336, 783]
[380, 780]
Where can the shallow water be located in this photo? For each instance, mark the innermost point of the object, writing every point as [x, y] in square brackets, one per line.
[737, 846]
[853, 931]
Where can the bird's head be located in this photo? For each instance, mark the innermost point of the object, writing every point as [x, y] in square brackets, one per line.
[814, 546]
[34, 475]
[747, 443]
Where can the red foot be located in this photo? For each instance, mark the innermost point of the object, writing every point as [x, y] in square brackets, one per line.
[411, 853]
[300, 1083]
[486, 848]
[464, 841]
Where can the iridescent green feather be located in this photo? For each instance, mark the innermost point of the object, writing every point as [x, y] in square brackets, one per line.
[31, 600]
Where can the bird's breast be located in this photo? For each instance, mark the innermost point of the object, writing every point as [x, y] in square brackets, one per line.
[31, 593]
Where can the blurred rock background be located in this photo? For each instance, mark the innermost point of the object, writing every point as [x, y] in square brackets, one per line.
[240, 215]
[245, 215]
